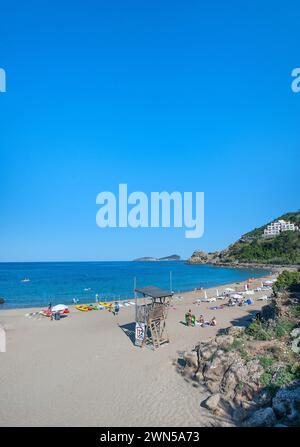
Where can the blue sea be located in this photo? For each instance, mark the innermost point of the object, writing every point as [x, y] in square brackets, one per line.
[60, 282]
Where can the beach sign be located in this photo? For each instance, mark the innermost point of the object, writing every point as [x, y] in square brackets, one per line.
[139, 333]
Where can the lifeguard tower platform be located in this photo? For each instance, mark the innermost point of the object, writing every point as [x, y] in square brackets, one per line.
[152, 315]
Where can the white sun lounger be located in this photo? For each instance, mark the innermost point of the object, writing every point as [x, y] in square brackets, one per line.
[263, 298]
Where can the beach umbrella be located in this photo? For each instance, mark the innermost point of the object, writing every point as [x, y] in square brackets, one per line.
[217, 292]
[205, 294]
[59, 308]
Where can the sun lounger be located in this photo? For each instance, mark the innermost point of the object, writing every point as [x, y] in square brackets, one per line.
[263, 298]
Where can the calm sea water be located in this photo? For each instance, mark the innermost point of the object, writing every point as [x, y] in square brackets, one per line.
[60, 282]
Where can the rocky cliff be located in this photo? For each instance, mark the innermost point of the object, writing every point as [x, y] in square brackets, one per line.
[252, 374]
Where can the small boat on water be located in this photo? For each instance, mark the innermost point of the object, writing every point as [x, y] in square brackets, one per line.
[25, 280]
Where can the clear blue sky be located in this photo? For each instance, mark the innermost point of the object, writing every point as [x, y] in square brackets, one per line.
[161, 95]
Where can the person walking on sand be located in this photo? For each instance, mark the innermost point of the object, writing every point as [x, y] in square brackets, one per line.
[49, 310]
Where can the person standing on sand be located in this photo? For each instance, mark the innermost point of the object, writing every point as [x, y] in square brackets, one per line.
[189, 316]
[117, 308]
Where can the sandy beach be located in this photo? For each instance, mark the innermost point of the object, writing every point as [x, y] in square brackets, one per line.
[84, 370]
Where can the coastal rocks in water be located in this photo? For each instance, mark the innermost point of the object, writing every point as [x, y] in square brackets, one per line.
[202, 257]
[2, 300]
[262, 418]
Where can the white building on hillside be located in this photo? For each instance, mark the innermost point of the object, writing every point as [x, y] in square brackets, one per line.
[278, 226]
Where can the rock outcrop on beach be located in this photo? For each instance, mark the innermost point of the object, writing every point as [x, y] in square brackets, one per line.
[254, 249]
[252, 374]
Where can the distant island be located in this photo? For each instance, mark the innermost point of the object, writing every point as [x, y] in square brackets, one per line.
[166, 258]
[275, 243]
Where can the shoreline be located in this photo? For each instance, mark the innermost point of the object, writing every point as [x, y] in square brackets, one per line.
[183, 293]
[275, 268]
[90, 357]
[210, 291]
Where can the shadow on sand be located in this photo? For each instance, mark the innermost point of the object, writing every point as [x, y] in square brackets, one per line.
[244, 321]
[129, 330]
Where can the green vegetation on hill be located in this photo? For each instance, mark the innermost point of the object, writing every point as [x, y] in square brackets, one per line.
[287, 281]
[254, 248]
[281, 249]
[291, 217]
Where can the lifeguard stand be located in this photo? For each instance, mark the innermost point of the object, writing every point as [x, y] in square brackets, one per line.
[153, 314]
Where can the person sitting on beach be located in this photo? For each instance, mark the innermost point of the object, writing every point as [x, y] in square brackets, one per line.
[213, 322]
[201, 320]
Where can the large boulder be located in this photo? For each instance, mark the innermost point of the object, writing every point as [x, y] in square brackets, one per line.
[215, 369]
[262, 418]
[207, 351]
[224, 341]
[286, 403]
[296, 345]
[191, 359]
[235, 330]
[212, 402]
[233, 377]
[295, 332]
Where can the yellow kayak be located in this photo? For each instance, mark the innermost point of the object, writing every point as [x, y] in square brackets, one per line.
[83, 307]
[102, 303]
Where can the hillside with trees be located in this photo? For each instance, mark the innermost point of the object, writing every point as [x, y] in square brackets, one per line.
[253, 247]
